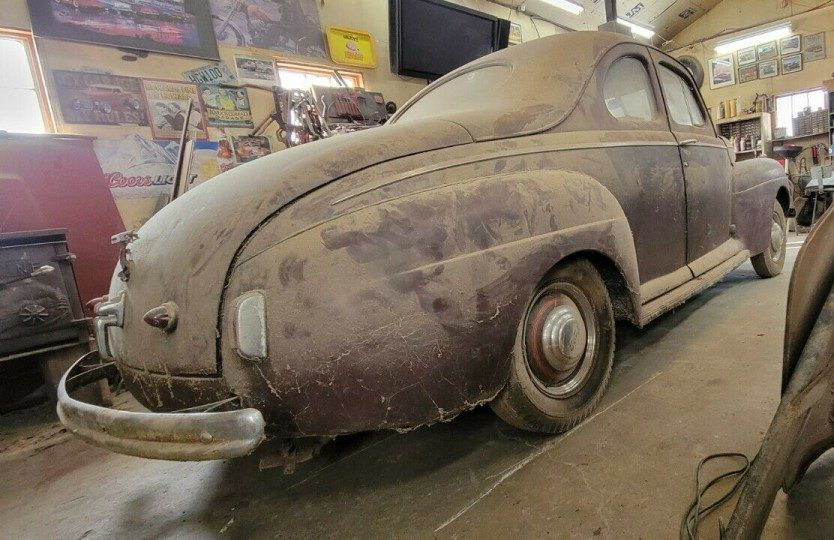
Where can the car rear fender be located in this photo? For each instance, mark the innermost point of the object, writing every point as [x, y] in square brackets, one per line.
[403, 312]
[757, 184]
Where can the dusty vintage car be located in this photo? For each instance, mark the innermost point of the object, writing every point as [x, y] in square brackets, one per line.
[477, 249]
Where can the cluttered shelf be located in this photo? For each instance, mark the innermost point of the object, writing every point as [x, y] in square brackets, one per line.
[797, 137]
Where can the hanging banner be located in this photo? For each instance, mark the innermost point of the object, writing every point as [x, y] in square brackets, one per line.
[138, 168]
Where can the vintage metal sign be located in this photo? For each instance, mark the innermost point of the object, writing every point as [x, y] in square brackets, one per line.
[218, 73]
[167, 105]
[351, 47]
[227, 107]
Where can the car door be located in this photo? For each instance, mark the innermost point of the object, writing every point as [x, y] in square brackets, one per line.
[647, 177]
[707, 169]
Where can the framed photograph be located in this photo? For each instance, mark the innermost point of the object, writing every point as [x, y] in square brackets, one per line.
[790, 45]
[814, 47]
[226, 107]
[767, 51]
[256, 70]
[722, 71]
[748, 73]
[96, 98]
[181, 27]
[791, 64]
[290, 26]
[747, 56]
[249, 148]
[167, 103]
[768, 69]
[515, 34]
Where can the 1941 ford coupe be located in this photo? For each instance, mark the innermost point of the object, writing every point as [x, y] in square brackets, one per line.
[476, 249]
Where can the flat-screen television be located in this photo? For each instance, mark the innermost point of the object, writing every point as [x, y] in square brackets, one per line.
[430, 38]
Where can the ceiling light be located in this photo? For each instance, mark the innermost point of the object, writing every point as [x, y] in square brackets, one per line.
[753, 40]
[576, 9]
[641, 31]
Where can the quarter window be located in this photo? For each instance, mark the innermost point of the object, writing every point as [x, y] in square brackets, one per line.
[628, 90]
[680, 99]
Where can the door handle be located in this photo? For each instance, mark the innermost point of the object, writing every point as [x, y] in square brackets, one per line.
[687, 142]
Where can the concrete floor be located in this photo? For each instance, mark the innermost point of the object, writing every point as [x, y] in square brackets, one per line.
[701, 380]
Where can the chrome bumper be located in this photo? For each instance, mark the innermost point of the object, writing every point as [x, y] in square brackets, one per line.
[196, 436]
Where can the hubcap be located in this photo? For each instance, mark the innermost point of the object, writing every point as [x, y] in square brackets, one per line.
[564, 336]
[777, 237]
[560, 339]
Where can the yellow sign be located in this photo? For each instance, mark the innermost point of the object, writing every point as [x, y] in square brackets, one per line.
[351, 47]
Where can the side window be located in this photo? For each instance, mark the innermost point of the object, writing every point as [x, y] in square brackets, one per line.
[628, 90]
[680, 99]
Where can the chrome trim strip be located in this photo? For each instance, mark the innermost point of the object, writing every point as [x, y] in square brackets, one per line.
[495, 155]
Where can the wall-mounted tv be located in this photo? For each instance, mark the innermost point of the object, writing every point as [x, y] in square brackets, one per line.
[430, 38]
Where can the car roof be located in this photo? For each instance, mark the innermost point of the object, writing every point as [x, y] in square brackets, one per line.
[548, 77]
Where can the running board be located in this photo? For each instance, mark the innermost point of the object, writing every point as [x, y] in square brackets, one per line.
[679, 295]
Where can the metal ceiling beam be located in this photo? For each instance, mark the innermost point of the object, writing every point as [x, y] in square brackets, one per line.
[610, 10]
[524, 9]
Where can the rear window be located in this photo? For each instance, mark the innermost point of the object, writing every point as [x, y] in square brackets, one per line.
[628, 90]
[680, 99]
[470, 91]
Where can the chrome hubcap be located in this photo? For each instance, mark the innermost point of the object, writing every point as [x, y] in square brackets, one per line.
[560, 339]
[564, 336]
[777, 237]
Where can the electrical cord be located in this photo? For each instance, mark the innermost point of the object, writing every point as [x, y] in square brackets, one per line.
[695, 513]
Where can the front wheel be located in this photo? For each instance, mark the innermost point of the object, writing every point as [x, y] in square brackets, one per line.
[563, 355]
[770, 262]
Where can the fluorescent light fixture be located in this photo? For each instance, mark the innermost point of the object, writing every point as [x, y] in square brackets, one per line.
[753, 40]
[641, 31]
[576, 9]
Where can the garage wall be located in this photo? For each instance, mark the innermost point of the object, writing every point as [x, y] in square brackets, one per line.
[734, 17]
[369, 15]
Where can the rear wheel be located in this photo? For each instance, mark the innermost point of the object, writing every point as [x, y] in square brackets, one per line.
[770, 262]
[563, 354]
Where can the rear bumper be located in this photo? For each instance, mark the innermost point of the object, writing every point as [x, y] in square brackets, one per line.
[179, 436]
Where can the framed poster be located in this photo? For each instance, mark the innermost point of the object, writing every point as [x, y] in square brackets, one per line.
[747, 56]
[256, 70]
[767, 51]
[814, 47]
[226, 107]
[722, 71]
[167, 103]
[290, 26]
[249, 148]
[790, 45]
[791, 63]
[768, 69]
[181, 27]
[96, 98]
[748, 73]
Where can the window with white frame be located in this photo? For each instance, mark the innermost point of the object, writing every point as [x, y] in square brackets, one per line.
[22, 105]
[298, 77]
[789, 106]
